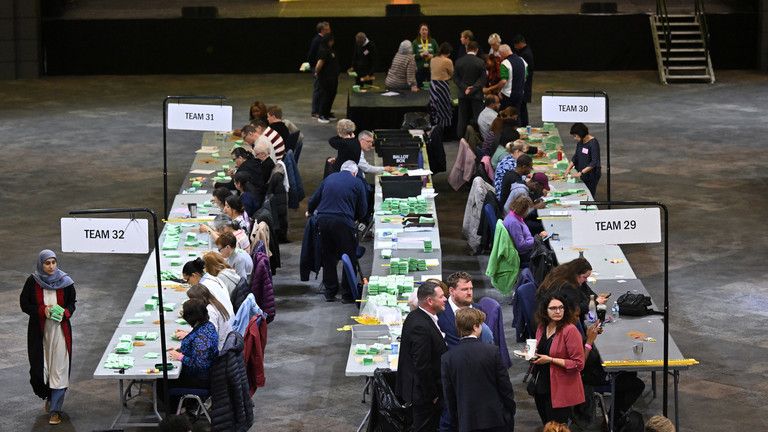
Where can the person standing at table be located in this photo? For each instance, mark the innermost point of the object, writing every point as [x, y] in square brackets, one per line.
[346, 145]
[327, 73]
[364, 60]
[512, 78]
[340, 201]
[402, 72]
[586, 158]
[559, 360]
[441, 108]
[524, 51]
[424, 48]
[49, 332]
[470, 77]
[421, 346]
[476, 384]
[323, 28]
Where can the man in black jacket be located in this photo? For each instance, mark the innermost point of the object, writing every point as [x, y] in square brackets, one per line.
[523, 50]
[364, 60]
[470, 77]
[323, 28]
[421, 345]
[475, 383]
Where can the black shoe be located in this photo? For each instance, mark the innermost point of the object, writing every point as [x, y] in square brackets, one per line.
[347, 300]
[330, 299]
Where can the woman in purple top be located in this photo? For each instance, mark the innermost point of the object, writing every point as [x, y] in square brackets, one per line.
[518, 230]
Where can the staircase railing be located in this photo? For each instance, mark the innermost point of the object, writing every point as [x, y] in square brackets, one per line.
[701, 17]
[663, 16]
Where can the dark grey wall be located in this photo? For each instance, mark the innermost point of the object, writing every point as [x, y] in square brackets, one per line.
[19, 39]
[762, 47]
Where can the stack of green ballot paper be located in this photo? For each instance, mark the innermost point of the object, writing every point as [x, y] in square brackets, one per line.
[383, 299]
[561, 165]
[171, 239]
[57, 313]
[427, 246]
[551, 142]
[115, 361]
[124, 348]
[404, 205]
[393, 284]
[398, 266]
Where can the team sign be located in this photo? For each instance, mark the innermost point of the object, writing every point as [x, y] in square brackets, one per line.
[216, 118]
[624, 226]
[572, 109]
[104, 235]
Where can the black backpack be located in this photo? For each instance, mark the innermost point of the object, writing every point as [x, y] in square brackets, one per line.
[543, 260]
[634, 304]
[632, 421]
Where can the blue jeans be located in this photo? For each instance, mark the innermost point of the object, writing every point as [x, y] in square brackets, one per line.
[57, 399]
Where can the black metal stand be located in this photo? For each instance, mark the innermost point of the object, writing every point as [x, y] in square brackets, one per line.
[666, 278]
[166, 398]
[607, 129]
[165, 141]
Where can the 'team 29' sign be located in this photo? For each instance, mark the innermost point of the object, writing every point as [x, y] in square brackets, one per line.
[625, 226]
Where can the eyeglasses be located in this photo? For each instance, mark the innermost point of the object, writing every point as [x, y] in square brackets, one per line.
[556, 308]
[222, 248]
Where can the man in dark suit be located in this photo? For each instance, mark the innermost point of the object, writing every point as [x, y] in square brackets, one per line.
[524, 51]
[418, 370]
[323, 28]
[476, 385]
[470, 77]
[459, 297]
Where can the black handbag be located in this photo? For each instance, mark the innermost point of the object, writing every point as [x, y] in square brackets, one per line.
[532, 380]
[633, 304]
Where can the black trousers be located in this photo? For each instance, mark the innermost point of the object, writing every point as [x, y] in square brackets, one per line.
[590, 181]
[422, 74]
[315, 95]
[547, 413]
[327, 93]
[515, 102]
[524, 121]
[426, 417]
[336, 238]
[469, 109]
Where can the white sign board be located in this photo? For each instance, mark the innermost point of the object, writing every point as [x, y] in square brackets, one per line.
[573, 109]
[105, 235]
[215, 118]
[609, 227]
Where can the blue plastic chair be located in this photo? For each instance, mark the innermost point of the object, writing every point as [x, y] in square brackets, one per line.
[490, 220]
[351, 276]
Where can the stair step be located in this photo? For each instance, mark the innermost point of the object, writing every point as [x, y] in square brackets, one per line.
[680, 50]
[680, 16]
[684, 32]
[688, 77]
[686, 67]
[678, 24]
[685, 59]
[683, 41]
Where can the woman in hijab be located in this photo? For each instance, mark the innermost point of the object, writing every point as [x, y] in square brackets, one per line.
[48, 297]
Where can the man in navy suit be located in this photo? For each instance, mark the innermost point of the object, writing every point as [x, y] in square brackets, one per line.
[476, 384]
[421, 346]
[460, 296]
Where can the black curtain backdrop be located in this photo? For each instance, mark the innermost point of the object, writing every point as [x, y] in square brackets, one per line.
[279, 45]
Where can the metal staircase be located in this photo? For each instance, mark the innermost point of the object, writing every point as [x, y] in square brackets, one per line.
[682, 45]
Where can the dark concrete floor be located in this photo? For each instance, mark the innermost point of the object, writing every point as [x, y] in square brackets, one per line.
[76, 142]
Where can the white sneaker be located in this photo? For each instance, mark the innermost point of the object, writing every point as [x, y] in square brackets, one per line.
[322, 119]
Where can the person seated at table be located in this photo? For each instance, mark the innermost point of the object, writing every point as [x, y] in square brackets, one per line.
[523, 167]
[508, 163]
[194, 273]
[365, 138]
[346, 145]
[237, 258]
[276, 123]
[535, 189]
[250, 196]
[216, 265]
[197, 352]
[218, 314]
[402, 73]
[503, 137]
[224, 224]
[244, 162]
[518, 230]
[233, 207]
[257, 112]
[220, 195]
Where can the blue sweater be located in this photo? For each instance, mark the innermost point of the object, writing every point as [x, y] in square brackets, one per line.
[340, 195]
[200, 348]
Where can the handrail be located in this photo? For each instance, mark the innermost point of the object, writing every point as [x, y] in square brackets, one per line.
[701, 17]
[663, 15]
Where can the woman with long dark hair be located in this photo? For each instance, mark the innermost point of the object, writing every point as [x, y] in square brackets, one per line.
[559, 360]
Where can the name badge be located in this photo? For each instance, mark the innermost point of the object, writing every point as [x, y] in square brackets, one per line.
[365, 52]
[585, 150]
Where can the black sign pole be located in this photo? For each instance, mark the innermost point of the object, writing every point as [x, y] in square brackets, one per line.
[221, 99]
[666, 278]
[607, 128]
[166, 398]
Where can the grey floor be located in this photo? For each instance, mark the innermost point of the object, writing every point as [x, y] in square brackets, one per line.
[86, 142]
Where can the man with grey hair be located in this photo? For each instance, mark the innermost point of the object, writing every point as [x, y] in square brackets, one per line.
[365, 138]
[339, 202]
[512, 74]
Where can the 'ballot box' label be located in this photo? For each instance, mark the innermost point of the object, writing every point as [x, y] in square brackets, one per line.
[214, 118]
[104, 235]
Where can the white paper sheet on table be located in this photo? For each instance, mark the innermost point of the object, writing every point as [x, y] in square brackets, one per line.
[419, 172]
[559, 213]
[390, 93]
[416, 132]
[207, 149]
[203, 171]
